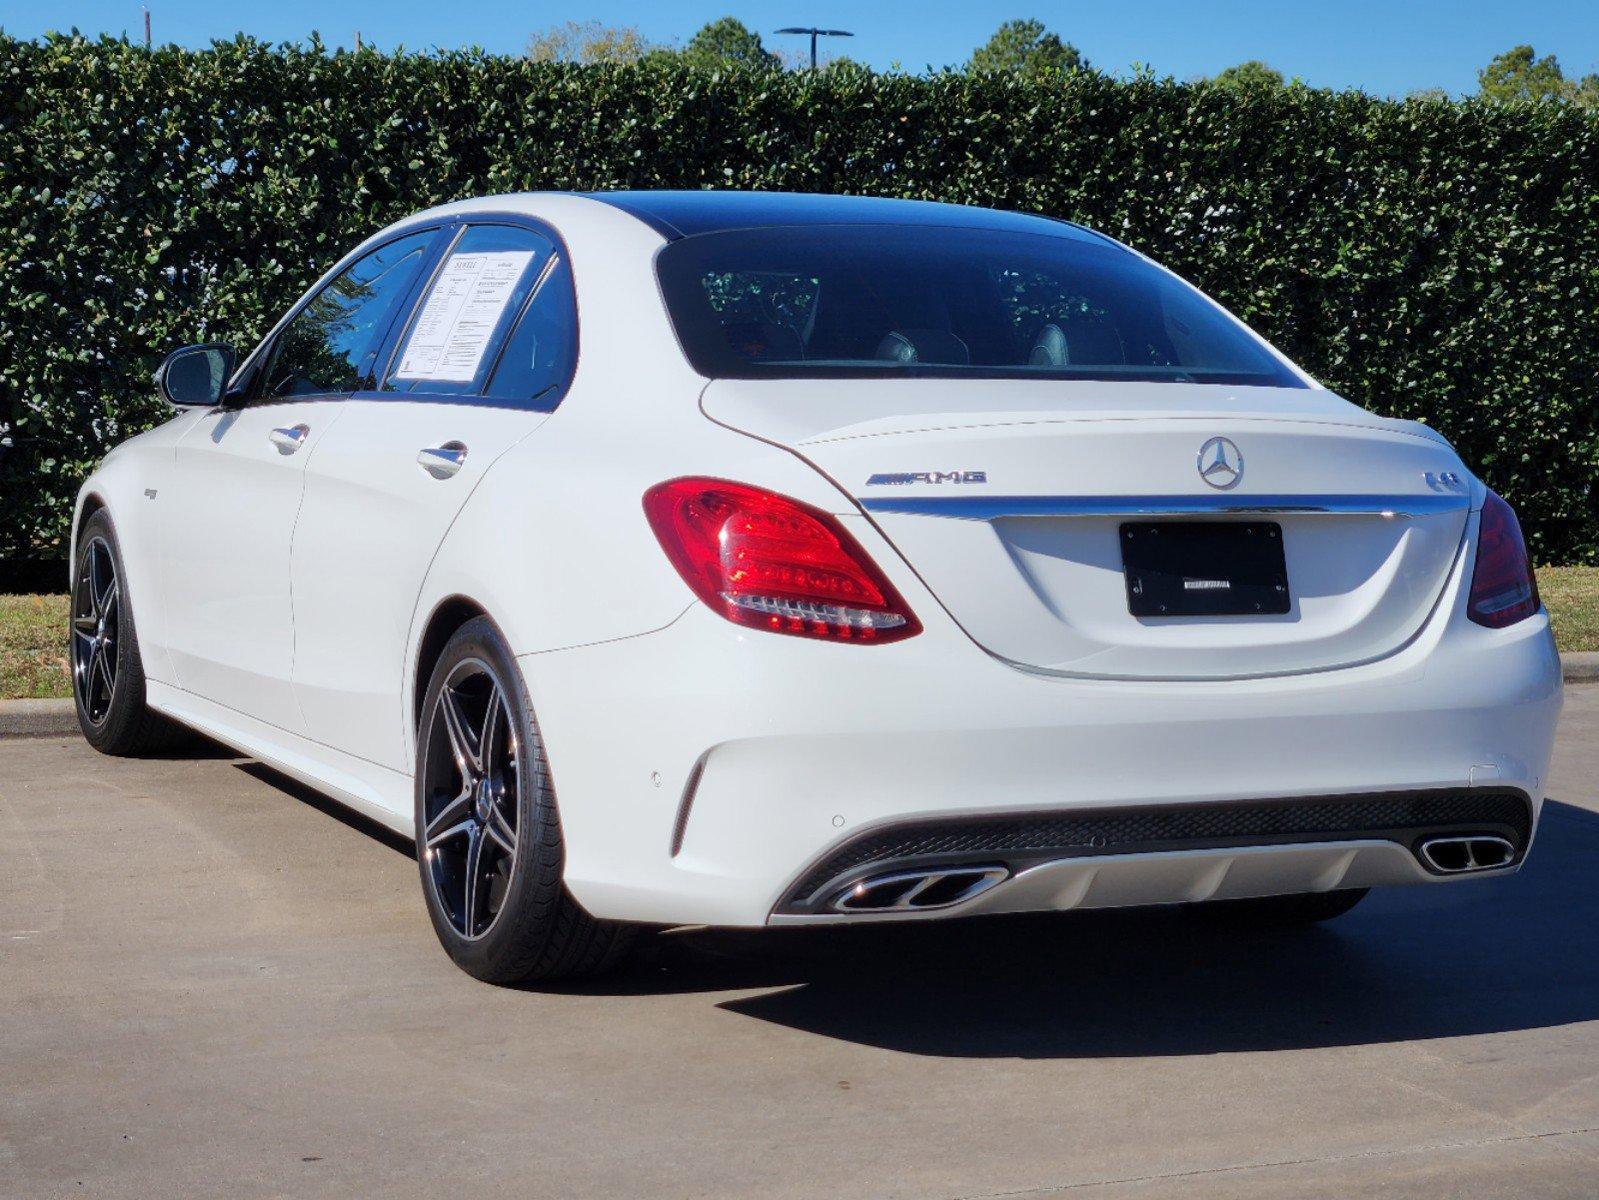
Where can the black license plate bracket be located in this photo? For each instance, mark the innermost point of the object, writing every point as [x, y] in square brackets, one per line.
[1204, 568]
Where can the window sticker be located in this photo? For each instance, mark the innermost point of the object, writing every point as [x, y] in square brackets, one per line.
[460, 316]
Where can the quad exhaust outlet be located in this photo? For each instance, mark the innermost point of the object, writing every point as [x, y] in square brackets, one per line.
[918, 891]
[1455, 855]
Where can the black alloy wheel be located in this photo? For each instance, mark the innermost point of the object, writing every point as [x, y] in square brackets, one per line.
[489, 843]
[96, 615]
[472, 789]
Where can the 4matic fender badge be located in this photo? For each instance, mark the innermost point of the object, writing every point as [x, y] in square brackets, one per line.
[893, 477]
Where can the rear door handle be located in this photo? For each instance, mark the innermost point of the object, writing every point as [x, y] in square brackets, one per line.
[289, 440]
[442, 461]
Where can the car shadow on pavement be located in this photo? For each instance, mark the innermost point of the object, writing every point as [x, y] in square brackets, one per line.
[188, 745]
[1409, 963]
[328, 807]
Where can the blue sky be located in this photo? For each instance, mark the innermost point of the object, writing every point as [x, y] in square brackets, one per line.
[1384, 46]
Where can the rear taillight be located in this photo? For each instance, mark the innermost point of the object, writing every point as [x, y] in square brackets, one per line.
[769, 562]
[1503, 587]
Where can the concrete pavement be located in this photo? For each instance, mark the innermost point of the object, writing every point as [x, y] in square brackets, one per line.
[213, 983]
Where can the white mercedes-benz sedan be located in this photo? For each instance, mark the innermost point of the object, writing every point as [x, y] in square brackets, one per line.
[754, 559]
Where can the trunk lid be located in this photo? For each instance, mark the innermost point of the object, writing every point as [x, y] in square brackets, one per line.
[1008, 499]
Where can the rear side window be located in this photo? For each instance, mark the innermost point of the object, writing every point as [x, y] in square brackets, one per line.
[331, 345]
[536, 365]
[887, 301]
[476, 294]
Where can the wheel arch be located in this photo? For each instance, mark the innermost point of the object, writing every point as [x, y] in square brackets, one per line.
[448, 615]
[89, 503]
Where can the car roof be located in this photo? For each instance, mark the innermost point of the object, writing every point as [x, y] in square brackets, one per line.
[683, 214]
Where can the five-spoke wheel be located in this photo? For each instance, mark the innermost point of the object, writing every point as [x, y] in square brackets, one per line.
[96, 613]
[472, 781]
[489, 841]
[103, 646]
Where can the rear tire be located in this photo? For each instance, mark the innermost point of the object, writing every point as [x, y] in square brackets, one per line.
[488, 834]
[103, 649]
[1280, 912]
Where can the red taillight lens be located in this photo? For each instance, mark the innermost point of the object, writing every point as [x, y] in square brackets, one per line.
[1503, 588]
[769, 562]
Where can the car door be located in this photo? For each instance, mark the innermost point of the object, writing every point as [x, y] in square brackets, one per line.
[482, 360]
[233, 494]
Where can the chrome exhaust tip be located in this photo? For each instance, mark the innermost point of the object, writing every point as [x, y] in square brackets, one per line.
[918, 891]
[1456, 855]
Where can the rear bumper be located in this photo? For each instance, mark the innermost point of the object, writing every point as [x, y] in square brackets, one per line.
[703, 770]
[1178, 877]
[1097, 857]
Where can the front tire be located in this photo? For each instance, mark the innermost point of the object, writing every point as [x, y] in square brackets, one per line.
[107, 671]
[488, 835]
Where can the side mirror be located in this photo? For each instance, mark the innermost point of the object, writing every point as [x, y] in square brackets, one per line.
[195, 376]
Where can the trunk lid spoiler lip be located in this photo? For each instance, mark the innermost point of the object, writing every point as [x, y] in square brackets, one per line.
[884, 428]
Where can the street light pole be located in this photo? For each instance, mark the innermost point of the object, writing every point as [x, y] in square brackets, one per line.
[814, 34]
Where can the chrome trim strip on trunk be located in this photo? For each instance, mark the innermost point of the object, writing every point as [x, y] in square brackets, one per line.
[989, 508]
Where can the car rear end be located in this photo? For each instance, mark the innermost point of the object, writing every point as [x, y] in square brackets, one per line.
[1093, 600]
[794, 768]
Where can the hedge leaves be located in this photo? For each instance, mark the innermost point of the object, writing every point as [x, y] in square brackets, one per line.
[1427, 259]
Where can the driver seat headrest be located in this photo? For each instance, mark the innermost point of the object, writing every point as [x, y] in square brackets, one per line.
[924, 346]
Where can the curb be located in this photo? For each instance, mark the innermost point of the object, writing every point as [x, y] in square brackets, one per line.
[59, 718]
[37, 718]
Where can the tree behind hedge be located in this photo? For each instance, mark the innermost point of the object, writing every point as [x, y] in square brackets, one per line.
[1027, 48]
[1426, 259]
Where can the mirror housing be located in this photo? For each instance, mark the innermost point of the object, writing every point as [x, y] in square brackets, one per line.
[195, 376]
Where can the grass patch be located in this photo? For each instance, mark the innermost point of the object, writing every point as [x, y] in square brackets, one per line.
[1571, 594]
[33, 631]
[33, 647]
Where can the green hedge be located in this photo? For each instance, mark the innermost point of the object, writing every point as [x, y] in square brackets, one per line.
[1425, 258]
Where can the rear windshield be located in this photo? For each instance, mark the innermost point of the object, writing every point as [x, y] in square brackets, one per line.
[850, 301]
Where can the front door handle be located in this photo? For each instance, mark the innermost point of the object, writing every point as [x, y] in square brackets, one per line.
[442, 461]
[289, 440]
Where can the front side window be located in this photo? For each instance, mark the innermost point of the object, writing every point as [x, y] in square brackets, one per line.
[887, 301]
[331, 345]
[476, 294]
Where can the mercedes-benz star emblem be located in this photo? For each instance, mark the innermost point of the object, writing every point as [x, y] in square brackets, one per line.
[1221, 463]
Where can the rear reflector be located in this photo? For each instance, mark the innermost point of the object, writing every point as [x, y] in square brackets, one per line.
[1503, 588]
[769, 562]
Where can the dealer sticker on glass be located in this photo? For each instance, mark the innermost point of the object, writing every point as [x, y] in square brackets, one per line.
[461, 314]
